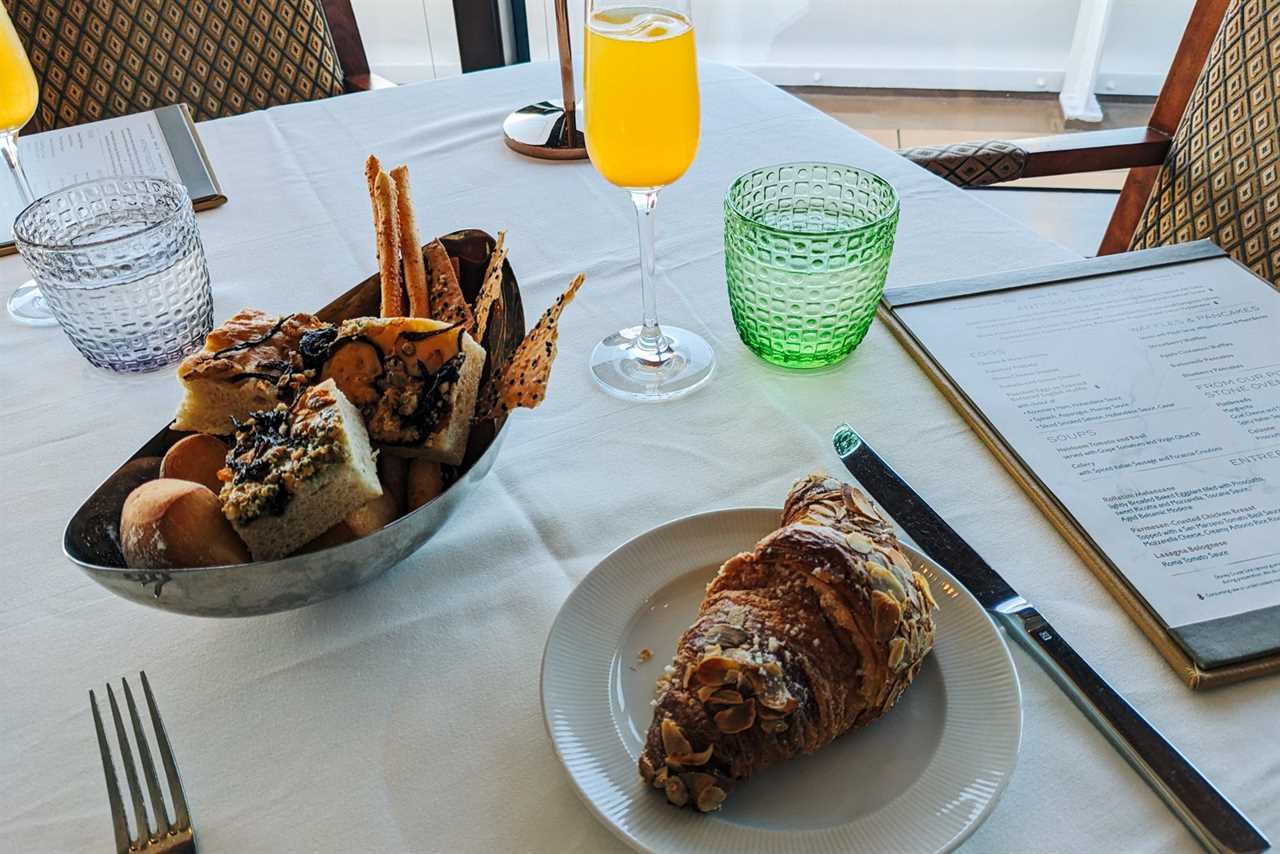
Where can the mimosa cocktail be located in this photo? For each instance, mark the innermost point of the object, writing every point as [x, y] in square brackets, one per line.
[642, 126]
[18, 90]
[642, 88]
[18, 96]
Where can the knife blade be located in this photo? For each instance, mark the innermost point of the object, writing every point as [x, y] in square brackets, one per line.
[1215, 822]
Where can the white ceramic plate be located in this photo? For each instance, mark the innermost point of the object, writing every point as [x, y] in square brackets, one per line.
[919, 780]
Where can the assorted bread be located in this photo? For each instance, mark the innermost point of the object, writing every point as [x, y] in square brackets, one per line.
[816, 631]
[308, 434]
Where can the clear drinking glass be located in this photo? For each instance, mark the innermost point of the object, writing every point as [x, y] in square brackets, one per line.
[19, 94]
[806, 251]
[642, 124]
[120, 263]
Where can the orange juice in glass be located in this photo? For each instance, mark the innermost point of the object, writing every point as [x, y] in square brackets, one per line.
[638, 54]
[18, 96]
[642, 127]
[18, 91]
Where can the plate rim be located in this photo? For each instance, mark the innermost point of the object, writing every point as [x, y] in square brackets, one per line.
[636, 844]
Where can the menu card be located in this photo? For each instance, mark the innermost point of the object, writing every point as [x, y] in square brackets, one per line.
[160, 143]
[1146, 400]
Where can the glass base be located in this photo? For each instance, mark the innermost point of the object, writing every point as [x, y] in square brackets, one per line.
[625, 366]
[26, 305]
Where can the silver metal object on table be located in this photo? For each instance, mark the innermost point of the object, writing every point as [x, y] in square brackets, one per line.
[92, 540]
[1215, 822]
[549, 130]
[167, 837]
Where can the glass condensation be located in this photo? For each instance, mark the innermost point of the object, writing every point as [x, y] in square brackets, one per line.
[807, 248]
[120, 262]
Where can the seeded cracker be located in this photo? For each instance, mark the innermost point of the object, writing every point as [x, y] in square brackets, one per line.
[491, 290]
[523, 382]
[443, 292]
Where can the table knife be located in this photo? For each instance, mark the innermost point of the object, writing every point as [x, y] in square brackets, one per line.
[1210, 817]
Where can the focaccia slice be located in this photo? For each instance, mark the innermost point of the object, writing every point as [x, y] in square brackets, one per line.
[249, 363]
[415, 381]
[298, 470]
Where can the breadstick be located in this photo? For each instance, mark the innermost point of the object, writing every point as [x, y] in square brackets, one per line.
[388, 237]
[415, 270]
[371, 169]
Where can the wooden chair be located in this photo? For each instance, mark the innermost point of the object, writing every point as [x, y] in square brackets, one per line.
[1206, 166]
[95, 59]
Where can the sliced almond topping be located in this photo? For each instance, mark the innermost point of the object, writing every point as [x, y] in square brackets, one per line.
[726, 697]
[727, 635]
[676, 792]
[709, 799]
[900, 561]
[691, 760]
[736, 718]
[859, 542]
[705, 692]
[715, 670]
[673, 740]
[922, 584]
[897, 649]
[646, 767]
[885, 613]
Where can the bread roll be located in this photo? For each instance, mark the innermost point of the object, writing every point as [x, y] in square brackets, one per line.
[170, 523]
[426, 481]
[198, 459]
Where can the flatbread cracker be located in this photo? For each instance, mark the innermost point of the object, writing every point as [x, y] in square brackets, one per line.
[523, 381]
[443, 291]
[388, 243]
[415, 271]
[491, 290]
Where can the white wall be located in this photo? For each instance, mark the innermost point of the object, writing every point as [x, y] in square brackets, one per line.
[409, 40]
[1003, 45]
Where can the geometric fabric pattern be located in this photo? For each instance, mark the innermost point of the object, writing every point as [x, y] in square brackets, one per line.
[1221, 178]
[95, 59]
[971, 164]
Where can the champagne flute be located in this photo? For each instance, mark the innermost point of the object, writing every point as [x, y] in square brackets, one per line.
[642, 122]
[18, 96]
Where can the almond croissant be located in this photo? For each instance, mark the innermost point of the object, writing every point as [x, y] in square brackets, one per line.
[818, 630]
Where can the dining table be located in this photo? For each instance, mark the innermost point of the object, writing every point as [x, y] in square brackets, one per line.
[405, 715]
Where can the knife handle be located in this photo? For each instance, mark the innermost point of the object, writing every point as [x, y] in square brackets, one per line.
[1210, 817]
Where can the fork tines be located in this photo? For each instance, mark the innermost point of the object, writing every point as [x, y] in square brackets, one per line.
[167, 836]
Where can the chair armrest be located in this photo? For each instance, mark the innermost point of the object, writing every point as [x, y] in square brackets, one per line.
[980, 164]
[367, 81]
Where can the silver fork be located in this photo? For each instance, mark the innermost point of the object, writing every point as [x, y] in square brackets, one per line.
[169, 837]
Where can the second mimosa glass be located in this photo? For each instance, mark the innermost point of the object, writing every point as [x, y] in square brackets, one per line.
[642, 124]
[18, 96]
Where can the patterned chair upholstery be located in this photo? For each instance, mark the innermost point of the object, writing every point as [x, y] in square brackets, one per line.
[96, 59]
[1221, 178]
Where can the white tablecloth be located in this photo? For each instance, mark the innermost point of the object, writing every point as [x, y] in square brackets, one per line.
[405, 715]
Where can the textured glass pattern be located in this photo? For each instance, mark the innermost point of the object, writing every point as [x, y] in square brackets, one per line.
[120, 262]
[806, 250]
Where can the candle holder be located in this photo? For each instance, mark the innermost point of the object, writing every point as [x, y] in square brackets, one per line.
[549, 130]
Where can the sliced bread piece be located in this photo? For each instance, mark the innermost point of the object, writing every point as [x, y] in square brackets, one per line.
[241, 369]
[298, 470]
[415, 381]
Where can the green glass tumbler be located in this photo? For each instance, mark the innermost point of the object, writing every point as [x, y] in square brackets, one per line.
[806, 251]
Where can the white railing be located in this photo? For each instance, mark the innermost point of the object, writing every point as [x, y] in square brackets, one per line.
[999, 45]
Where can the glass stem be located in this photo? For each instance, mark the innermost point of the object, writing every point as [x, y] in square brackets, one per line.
[9, 145]
[650, 340]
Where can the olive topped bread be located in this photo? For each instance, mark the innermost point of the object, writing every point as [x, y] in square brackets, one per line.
[413, 379]
[297, 470]
[250, 362]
